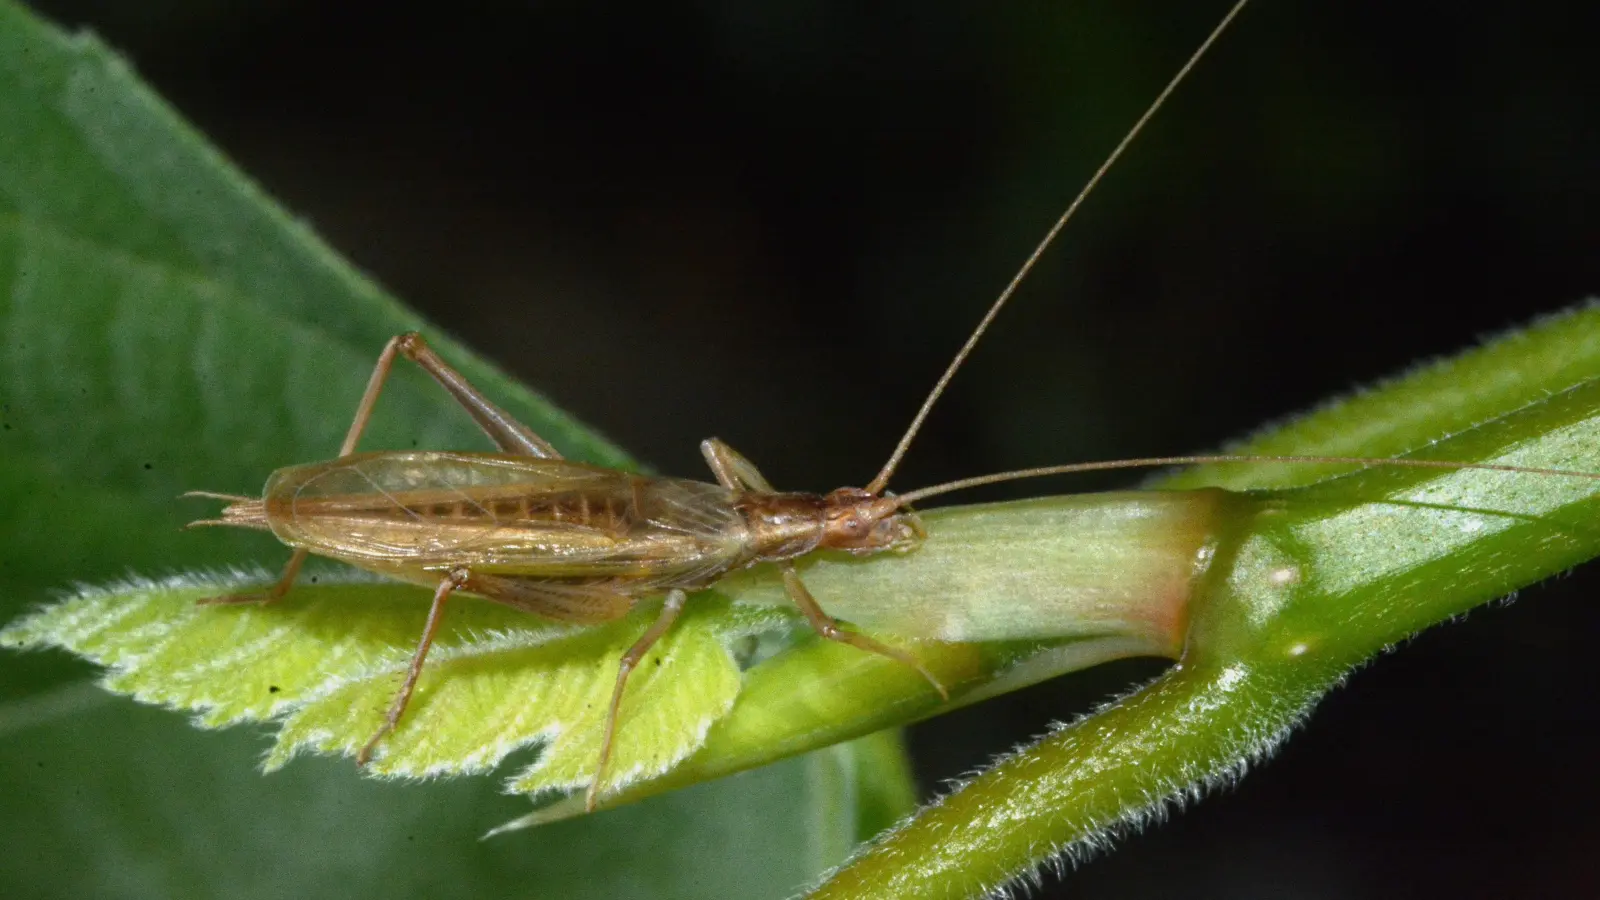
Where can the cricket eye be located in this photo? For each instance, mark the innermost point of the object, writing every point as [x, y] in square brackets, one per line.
[852, 528]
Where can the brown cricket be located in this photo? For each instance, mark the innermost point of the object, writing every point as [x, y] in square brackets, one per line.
[583, 544]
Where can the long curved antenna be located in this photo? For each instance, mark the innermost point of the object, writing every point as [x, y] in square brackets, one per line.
[1151, 462]
[882, 481]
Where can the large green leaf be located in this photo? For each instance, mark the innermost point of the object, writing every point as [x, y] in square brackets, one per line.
[164, 327]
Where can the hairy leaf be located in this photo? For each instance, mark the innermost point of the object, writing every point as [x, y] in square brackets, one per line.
[327, 660]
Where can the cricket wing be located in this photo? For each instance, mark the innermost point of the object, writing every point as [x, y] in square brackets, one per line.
[575, 603]
[495, 513]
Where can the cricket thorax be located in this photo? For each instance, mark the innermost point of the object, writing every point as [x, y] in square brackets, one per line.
[784, 526]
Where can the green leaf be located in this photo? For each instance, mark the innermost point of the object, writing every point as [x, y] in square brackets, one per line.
[164, 328]
[143, 805]
[327, 661]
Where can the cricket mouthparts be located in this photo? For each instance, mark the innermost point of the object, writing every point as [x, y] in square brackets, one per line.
[241, 512]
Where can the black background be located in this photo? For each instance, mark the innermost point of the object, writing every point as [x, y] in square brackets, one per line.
[773, 222]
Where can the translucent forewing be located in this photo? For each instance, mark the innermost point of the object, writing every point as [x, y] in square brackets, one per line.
[420, 512]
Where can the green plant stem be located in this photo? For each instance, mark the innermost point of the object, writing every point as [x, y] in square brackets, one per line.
[1314, 581]
[1079, 787]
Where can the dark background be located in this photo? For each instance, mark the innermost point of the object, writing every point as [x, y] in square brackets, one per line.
[773, 222]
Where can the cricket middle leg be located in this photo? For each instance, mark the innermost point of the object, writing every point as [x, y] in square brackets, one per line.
[630, 660]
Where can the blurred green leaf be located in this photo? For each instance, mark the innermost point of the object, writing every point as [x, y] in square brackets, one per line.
[163, 328]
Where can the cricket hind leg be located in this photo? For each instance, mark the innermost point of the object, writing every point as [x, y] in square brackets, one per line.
[507, 433]
[291, 570]
[828, 627]
[397, 707]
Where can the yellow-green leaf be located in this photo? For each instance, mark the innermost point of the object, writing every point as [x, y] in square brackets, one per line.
[327, 659]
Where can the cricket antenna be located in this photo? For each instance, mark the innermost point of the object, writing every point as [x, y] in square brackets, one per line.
[882, 481]
[1151, 462]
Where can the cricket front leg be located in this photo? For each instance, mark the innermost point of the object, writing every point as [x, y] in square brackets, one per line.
[733, 471]
[828, 627]
[630, 660]
[451, 583]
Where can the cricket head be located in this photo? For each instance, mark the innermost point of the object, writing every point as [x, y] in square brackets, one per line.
[862, 522]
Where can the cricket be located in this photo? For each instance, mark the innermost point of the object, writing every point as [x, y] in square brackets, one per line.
[583, 544]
